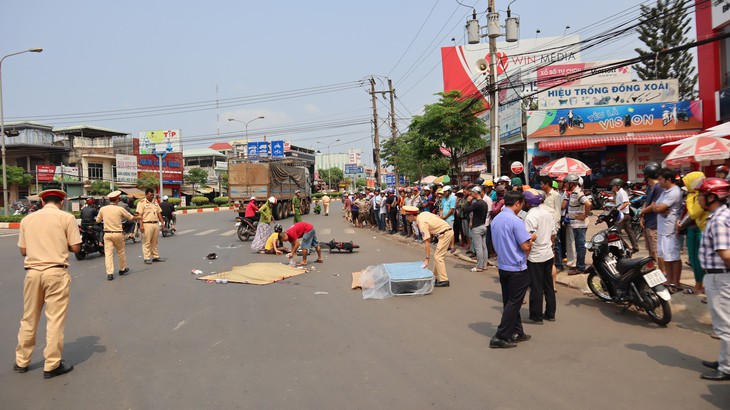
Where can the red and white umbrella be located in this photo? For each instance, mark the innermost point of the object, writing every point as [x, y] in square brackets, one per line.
[700, 149]
[564, 166]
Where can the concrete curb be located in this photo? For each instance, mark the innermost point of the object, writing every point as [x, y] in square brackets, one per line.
[199, 210]
[9, 225]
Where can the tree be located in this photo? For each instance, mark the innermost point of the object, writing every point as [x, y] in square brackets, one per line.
[196, 176]
[331, 176]
[99, 187]
[148, 180]
[361, 183]
[224, 180]
[18, 176]
[666, 26]
[450, 123]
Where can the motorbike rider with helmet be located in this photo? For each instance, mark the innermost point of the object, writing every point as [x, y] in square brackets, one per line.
[168, 211]
[715, 259]
[88, 218]
[722, 172]
[622, 203]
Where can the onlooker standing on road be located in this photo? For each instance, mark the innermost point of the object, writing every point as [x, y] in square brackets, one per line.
[479, 211]
[648, 218]
[151, 215]
[112, 216]
[45, 238]
[715, 259]
[622, 202]
[448, 207]
[668, 209]
[579, 208]
[512, 243]
[540, 259]
[697, 217]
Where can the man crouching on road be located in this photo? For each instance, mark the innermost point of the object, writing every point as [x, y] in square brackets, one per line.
[308, 236]
[432, 226]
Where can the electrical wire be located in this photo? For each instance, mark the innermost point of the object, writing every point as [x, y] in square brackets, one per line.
[414, 37]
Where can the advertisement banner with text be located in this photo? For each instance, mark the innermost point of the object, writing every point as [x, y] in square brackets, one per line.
[636, 92]
[684, 115]
[126, 169]
[563, 75]
[159, 141]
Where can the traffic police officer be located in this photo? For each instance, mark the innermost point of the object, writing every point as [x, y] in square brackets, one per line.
[112, 215]
[45, 238]
[432, 226]
[151, 215]
[296, 204]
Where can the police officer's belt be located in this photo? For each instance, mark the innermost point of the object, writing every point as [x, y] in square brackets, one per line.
[721, 270]
[150, 222]
[112, 231]
[54, 266]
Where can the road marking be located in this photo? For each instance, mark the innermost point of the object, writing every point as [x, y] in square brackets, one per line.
[350, 231]
[205, 232]
[8, 234]
[326, 231]
[229, 233]
[184, 232]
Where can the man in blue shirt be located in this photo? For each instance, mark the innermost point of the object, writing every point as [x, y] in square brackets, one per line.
[448, 207]
[512, 243]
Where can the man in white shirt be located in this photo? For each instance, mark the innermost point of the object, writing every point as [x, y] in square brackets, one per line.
[540, 222]
[622, 202]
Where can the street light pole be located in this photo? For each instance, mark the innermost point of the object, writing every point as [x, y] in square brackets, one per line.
[329, 162]
[260, 117]
[2, 126]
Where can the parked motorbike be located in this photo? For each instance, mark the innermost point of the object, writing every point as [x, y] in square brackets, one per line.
[614, 277]
[562, 125]
[89, 242]
[636, 202]
[245, 229]
[601, 197]
[167, 227]
[578, 122]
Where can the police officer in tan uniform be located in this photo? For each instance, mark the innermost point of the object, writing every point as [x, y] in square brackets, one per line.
[112, 215]
[151, 215]
[432, 226]
[46, 237]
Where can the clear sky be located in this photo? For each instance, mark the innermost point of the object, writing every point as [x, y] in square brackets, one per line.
[110, 56]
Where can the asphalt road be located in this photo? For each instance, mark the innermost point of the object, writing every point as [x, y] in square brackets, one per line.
[159, 339]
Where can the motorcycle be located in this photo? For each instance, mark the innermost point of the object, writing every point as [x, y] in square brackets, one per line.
[89, 242]
[578, 122]
[601, 197]
[131, 231]
[636, 202]
[562, 125]
[245, 229]
[614, 277]
[167, 227]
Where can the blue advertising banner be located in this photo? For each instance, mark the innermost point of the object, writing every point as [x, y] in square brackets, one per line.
[277, 149]
[390, 179]
[683, 115]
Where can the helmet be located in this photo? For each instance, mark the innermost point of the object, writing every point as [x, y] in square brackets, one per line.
[477, 189]
[488, 183]
[716, 186]
[272, 199]
[651, 170]
[617, 182]
[479, 181]
[278, 228]
[571, 178]
[504, 178]
[401, 189]
[90, 201]
[465, 178]
[532, 197]
[164, 197]
[722, 168]
[446, 188]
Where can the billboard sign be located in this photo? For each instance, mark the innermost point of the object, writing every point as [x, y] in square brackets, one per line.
[277, 149]
[635, 92]
[354, 169]
[684, 115]
[126, 169]
[390, 179]
[45, 173]
[252, 150]
[262, 148]
[510, 113]
[720, 13]
[581, 74]
[159, 141]
[461, 69]
[50, 173]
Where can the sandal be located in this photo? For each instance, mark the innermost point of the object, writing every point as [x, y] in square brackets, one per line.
[689, 291]
[302, 264]
[475, 269]
[319, 261]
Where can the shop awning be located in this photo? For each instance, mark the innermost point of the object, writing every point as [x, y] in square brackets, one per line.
[643, 138]
[133, 192]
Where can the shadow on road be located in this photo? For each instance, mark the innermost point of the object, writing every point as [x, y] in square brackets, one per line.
[489, 294]
[483, 328]
[81, 349]
[630, 317]
[719, 395]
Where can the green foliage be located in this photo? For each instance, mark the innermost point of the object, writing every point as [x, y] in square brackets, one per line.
[199, 200]
[148, 180]
[361, 182]
[174, 201]
[451, 123]
[17, 175]
[99, 187]
[221, 200]
[317, 195]
[224, 180]
[331, 176]
[335, 195]
[666, 25]
[204, 206]
[11, 218]
[196, 176]
[136, 201]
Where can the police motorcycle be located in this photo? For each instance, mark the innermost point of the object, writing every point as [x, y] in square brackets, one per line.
[90, 241]
[615, 277]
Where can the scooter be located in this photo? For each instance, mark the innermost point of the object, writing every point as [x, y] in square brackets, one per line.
[562, 125]
[578, 122]
[89, 242]
[245, 229]
[167, 227]
[613, 277]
